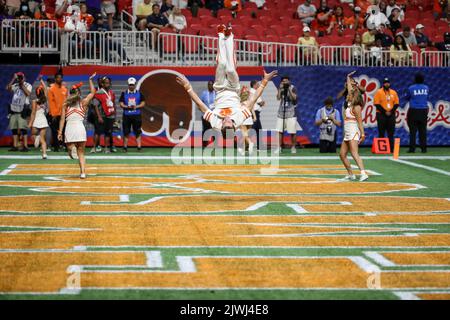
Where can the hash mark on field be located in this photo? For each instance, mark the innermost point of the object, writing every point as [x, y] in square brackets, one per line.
[406, 295]
[8, 170]
[186, 264]
[365, 264]
[378, 258]
[154, 259]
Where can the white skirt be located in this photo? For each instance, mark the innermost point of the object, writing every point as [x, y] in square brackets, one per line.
[351, 131]
[248, 122]
[40, 121]
[75, 131]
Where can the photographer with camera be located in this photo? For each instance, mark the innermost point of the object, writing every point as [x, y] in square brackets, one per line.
[287, 120]
[19, 110]
[328, 119]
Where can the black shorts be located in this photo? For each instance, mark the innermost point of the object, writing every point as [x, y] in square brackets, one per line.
[105, 128]
[134, 121]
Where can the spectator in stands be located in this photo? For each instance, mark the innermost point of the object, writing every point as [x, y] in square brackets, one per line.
[375, 17]
[328, 119]
[86, 17]
[24, 11]
[309, 54]
[286, 117]
[260, 103]
[400, 52]
[376, 53]
[194, 5]
[167, 8]
[143, 10]
[259, 3]
[110, 45]
[324, 19]
[391, 6]
[338, 20]
[215, 6]
[94, 7]
[306, 12]
[132, 101]
[386, 40]
[356, 21]
[155, 22]
[394, 21]
[109, 10]
[440, 9]
[444, 46]
[409, 37]
[234, 5]
[422, 40]
[177, 21]
[357, 50]
[105, 109]
[368, 38]
[383, 7]
[4, 13]
[19, 109]
[57, 95]
[12, 6]
[208, 96]
[386, 101]
[417, 94]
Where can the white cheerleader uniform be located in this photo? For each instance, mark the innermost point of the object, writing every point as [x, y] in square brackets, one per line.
[75, 130]
[40, 120]
[351, 130]
[227, 87]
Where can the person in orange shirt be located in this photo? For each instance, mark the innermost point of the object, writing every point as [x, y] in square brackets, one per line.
[85, 17]
[234, 5]
[386, 101]
[57, 95]
[356, 21]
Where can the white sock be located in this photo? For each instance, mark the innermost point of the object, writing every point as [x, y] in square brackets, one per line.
[363, 172]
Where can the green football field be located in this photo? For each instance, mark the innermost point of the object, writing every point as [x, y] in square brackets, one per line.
[152, 225]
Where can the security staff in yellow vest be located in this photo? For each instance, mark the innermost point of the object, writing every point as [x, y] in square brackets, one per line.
[386, 101]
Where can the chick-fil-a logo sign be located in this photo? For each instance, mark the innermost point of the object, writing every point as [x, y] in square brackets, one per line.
[438, 114]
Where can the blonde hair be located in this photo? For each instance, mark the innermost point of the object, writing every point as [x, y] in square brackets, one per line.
[73, 98]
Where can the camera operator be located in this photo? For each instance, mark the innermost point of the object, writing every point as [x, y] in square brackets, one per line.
[328, 119]
[19, 109]
[287, 120]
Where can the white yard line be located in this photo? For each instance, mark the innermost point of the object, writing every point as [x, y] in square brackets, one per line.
[422, 166]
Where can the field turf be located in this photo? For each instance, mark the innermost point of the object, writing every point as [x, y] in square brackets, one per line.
[142, 227]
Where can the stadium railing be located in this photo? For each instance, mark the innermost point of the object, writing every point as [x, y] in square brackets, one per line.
[138, 48]
[29, 36]
[435, 58]
[127, 21]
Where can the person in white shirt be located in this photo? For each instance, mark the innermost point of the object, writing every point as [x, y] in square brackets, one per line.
[392, 4]
[376, 53]
[259, 3]
[177, 21]
[306, 12]
[376, 17]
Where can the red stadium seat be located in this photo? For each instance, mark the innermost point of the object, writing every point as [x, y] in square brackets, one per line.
[290, 39]
[259, 29]
[270, 32]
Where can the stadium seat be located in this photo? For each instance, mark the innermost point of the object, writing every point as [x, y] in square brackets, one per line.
[290, 39]
[259, 29]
